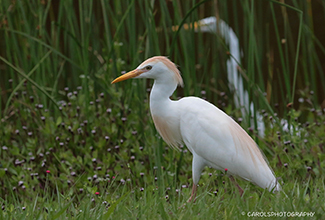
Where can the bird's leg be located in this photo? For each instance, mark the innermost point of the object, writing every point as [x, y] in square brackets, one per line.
[198, 164]
[193, 196]
[241, 191]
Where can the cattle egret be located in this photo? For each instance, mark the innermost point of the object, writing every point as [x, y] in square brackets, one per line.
[213, 137]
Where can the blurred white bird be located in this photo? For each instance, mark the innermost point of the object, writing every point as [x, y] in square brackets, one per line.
[213, 137]
[241, 98]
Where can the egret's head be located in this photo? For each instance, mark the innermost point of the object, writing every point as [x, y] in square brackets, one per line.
[158, 68]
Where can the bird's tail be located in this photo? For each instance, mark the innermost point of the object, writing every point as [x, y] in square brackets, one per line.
[275, 186]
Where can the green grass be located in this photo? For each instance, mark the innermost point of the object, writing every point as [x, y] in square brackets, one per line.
[60, 114]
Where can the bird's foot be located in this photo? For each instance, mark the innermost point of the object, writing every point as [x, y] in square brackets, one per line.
[192, 199]
[240, 190]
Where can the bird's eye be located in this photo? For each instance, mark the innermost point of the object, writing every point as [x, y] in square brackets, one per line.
[148, 67]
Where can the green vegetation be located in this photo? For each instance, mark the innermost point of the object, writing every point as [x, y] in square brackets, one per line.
[73, 146]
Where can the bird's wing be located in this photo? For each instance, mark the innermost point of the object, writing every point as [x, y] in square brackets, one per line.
[214, 136]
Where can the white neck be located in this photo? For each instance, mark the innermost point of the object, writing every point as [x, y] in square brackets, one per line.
[164, 112]
[159, 95]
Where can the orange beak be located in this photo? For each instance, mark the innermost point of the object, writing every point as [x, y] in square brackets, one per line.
[128, 75]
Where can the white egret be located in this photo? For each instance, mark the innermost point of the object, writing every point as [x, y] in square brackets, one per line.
[213, 137]
[241, 98]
